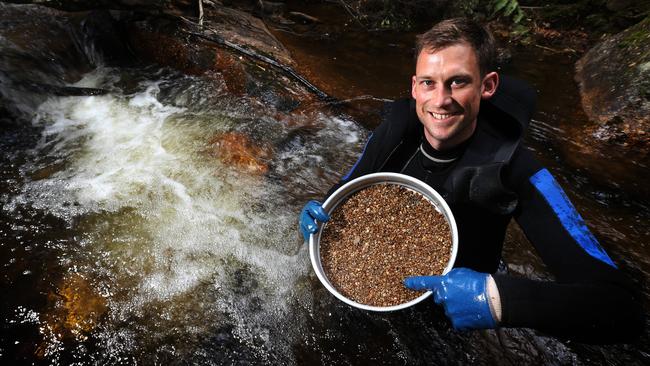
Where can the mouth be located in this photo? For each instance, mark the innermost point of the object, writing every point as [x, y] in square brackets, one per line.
[442, 116]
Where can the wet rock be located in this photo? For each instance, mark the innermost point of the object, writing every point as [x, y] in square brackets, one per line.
[269, 8]
[303, 18]
[43, 49]
[614, 78]
[184, 52]
[83, 5]
[239, 151]
[231, 46]
[76, 308]
[618, 5]
[244, 29]
[101, 32]
[56, 48]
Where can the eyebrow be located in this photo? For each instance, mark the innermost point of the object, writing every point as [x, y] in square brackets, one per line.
[462, 75]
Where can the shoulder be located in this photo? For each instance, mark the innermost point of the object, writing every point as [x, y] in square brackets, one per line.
[522, 166]
[515, 98]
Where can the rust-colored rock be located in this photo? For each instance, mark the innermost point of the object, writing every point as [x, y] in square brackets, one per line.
[186, 53]
[232, 47]
[76, 308]
[237, 150]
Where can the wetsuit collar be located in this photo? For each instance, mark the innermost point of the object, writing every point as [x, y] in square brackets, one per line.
[435, 159]
[442, 156]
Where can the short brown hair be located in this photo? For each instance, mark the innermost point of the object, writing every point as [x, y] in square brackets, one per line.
[460, 30]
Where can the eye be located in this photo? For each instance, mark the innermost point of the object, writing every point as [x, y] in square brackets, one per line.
[427, 84]
[459, 82]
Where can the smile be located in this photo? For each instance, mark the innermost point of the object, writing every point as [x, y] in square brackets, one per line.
[441, 116]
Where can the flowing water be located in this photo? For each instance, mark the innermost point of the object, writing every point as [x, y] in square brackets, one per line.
[126, 239]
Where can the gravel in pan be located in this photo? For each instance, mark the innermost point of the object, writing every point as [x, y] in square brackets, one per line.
[379, 236]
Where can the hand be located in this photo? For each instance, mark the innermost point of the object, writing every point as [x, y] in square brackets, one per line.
[312, 211]
[464, 295]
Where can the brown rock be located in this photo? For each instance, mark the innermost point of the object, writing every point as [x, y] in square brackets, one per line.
[76, 308]
[614, 78]
[45, 37]
[187, 54]
[232, 47]
[237, 150]
[246, 30]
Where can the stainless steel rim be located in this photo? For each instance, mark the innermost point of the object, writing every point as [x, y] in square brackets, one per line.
[365, 181]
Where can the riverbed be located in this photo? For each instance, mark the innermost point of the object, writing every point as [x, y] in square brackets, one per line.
[127, 238]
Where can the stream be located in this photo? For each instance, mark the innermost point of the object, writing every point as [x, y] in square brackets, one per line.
[125, 239]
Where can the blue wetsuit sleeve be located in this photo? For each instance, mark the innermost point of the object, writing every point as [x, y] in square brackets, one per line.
[590, 298]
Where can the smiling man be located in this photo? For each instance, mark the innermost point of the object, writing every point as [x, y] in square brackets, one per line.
[462, 133]
[448, 87]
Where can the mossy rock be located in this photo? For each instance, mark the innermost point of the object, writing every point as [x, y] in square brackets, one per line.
[614, 79]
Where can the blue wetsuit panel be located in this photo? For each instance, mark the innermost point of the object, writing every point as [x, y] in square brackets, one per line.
[568, 216]
[358, 160]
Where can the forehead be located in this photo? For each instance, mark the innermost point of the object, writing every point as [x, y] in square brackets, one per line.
[457, 58]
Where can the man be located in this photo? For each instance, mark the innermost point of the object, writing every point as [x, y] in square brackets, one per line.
[461, 133]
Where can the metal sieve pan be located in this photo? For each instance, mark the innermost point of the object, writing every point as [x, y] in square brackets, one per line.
[345, 191]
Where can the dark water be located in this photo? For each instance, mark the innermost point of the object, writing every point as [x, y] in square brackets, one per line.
[123, 240]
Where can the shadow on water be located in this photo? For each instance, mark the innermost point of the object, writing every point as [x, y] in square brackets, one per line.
[129, 236]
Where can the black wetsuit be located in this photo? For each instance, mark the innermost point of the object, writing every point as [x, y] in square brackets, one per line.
[490, 179]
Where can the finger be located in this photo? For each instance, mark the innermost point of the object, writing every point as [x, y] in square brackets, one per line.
[305, 233]
[419, 283]
[439, 296]
[458, 325]
[308, 228]
[307, 221]
[317, 211]
[461, 322]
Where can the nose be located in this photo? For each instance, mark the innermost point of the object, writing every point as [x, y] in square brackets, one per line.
[441, 97]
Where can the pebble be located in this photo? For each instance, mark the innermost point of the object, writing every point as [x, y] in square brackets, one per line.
[418, 244]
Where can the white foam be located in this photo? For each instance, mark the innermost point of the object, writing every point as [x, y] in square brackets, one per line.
[167, 217]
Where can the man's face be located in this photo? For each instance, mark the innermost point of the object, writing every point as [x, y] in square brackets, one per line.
[448, 88]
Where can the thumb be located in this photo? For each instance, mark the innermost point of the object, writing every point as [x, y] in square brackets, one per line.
[419, 283]
[316, 211]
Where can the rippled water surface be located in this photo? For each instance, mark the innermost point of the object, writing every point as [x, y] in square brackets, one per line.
[127, 237]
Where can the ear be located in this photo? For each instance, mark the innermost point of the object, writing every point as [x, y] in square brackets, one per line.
[413, 86]
[489, 85]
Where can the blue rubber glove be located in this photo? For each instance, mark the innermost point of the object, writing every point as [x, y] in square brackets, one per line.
[463, 294]
[312, 211]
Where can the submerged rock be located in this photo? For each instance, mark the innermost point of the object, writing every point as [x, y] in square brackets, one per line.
[614, 78]
[76, 309]
[239, 151]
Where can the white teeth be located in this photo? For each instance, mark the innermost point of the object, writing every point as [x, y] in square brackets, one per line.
[440, 116]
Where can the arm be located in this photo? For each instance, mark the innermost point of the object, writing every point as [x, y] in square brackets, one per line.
[369, 161]
[590, 299]
[383, 141]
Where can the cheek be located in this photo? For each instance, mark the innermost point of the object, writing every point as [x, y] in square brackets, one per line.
[470, 100]
[422, 96]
